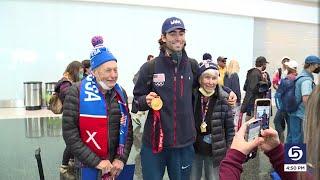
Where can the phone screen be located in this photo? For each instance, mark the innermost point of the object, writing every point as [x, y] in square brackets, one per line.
[253, 130]
[263, 112]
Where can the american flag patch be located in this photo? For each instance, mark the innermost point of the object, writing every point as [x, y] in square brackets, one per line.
[159, 78]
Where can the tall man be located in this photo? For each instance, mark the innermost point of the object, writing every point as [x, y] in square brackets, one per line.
[169, 131]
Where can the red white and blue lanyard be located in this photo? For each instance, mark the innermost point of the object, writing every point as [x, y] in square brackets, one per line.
[204, 109]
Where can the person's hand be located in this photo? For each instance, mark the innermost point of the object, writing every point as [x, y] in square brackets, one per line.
[271, 139]
[232, 100]
[150, 96]
[117, 168]
[105, 166]
[239, 143]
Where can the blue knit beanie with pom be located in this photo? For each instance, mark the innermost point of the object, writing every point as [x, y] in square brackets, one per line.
[100, 54]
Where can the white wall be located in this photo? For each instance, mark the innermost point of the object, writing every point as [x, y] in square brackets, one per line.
[38, 39]
[275, 39]
[289, 10]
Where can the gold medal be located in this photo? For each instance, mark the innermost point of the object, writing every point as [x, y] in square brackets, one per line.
[156, 103]
[203, 127]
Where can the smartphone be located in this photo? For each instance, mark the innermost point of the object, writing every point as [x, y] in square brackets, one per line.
[253, 130]
[262, 111]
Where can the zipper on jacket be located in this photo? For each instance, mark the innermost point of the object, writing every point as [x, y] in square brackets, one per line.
[181, 85]
[175, 106]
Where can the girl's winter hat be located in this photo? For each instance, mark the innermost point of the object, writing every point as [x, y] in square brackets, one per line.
[100, 54]
[206, 65]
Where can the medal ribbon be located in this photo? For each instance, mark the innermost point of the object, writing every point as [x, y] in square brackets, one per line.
[157, 142]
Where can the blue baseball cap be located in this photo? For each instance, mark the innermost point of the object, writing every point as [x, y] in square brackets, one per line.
[312, 59]
[171, 24]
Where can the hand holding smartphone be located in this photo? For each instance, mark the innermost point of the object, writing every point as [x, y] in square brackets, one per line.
[253, 131]
[262, 109]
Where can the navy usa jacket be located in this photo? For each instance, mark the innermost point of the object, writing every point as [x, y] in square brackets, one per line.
[173, 82]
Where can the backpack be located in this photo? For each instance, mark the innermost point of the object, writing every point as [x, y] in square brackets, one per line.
[285, 95]
[55, 103]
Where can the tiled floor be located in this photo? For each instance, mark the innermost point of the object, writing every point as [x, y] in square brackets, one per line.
[23, 131]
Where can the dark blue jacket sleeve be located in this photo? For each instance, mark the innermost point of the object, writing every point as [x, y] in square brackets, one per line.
[141, 89]
[226, 89]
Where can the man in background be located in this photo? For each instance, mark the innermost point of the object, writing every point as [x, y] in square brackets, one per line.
[222, 61]
[256, 86]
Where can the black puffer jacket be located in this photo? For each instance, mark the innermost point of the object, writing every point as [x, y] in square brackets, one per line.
[71, 133]
[222, 125]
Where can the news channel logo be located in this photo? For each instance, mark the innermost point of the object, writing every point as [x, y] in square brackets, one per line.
[295, 159]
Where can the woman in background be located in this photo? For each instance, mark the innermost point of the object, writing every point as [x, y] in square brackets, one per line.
[72, 74]
[231, 79]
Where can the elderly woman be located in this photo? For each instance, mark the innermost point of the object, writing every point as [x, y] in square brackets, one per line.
[213, 121]
[96, 121]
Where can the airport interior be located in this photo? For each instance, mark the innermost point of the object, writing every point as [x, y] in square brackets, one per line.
[39, 39]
